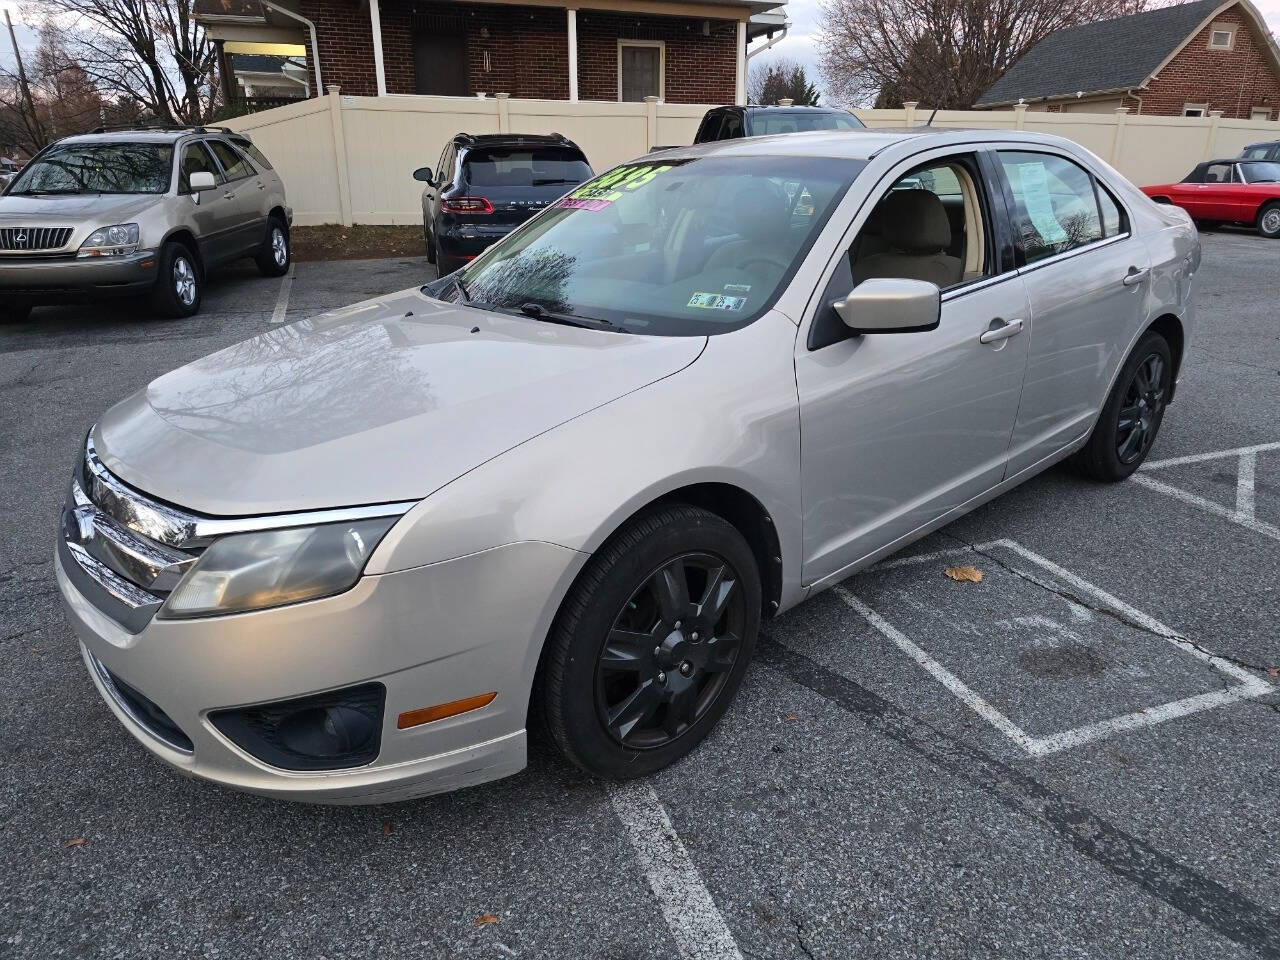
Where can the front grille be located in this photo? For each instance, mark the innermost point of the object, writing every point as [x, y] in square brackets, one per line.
[133, 550]
[33, 239]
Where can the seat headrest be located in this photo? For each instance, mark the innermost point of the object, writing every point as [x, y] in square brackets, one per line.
[915, 221]
[761, 210]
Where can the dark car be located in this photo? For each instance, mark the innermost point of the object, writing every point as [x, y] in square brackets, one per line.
[1261, 151]
[728, 123]
[485, 186]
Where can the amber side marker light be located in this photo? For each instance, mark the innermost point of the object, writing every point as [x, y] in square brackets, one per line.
[414, 718]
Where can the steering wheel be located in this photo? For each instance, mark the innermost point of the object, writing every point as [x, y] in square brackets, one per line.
[769, 259]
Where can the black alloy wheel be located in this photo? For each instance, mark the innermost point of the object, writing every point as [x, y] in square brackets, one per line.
[1141, 409]
[670, 651]
[1131, 417]
[651, 642]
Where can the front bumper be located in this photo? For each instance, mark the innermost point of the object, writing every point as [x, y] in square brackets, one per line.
[52, 280]
[430, 635]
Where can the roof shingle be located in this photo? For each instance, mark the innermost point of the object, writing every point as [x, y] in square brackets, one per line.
[1107, 55]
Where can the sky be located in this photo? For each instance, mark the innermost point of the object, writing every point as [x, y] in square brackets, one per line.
[799, 44]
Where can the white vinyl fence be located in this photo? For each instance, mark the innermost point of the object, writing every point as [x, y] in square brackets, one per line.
[351, 159]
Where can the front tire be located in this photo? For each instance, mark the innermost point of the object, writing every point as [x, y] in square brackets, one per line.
[179, 285]
[1132, 415]
[651, 643]
[431, 245]
[276, 254]
[1269, 221]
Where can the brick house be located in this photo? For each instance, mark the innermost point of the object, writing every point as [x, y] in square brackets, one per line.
[1179, 61]
[682, 51]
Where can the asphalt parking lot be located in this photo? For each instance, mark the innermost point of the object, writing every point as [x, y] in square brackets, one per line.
[1075, 757]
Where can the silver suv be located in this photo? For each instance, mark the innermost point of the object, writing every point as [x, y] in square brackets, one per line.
[138, 212]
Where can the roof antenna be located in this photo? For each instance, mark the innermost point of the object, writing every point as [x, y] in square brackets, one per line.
[929, 122]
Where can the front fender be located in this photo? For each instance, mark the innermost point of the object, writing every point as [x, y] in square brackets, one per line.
[731, 417]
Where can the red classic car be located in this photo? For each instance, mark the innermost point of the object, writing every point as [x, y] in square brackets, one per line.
[1231, 191]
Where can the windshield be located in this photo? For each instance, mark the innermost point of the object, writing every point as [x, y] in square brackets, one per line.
[506, 167]
[764, 122]
[1261, 172]
[668, 247]
[98, 168]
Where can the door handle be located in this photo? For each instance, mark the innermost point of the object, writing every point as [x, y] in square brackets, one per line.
[996, 334]
[1135, 277]
[228, 196]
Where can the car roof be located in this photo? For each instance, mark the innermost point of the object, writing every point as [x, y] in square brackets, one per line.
[860, 144]
[148, 135]
[513, 139]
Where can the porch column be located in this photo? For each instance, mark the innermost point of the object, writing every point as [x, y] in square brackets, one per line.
[375, 22]
[572, 15]
[740, 88]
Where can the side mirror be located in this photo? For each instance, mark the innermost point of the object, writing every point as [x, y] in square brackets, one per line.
[201, 181]
[885, 305]
[424, 174]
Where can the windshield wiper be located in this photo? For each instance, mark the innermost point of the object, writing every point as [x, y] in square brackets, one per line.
[465, 297]
[538, 312]
[544, 181]
[45, 193]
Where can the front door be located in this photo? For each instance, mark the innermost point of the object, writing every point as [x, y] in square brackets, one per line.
[898, 429]
[214, 215]
[440, 63]
[1086, 276]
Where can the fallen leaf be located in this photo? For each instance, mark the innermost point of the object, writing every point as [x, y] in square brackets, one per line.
[486, 919]
[387, 828]
[77, 842]
[1274, 672]
[965, 574]
[790, 716]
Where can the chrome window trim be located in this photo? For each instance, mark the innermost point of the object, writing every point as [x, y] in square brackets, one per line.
[109, 685]
[1073, 252]
[178, 528]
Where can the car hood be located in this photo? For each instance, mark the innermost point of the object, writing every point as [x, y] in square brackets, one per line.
[384, 401]
[104, 209]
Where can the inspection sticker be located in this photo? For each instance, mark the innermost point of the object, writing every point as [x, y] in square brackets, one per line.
[737, 288]
[716, 301]
[583, 203]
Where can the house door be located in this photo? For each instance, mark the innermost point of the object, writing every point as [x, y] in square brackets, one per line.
[639, 71]
[440, 63]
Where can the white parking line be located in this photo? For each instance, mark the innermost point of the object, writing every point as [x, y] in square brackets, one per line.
[1249, 686]
[282, 301]
[1245, 513]
[695, 923]
[1244, 485]
[1208, 506]
[1214, 455]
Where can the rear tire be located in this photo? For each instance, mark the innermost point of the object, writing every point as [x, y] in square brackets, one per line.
[1269, 220]
[1131, 417]
[622, 691]
[276, 254]
[179, 284]
[15, 312]
[431, 246]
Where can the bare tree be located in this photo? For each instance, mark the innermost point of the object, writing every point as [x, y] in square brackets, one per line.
[782, 79]
[942, 53]
[148, 52]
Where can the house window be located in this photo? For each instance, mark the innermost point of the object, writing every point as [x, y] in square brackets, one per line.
[1222, 37]
[1260, 113]
[641, 69]
[1195, 109]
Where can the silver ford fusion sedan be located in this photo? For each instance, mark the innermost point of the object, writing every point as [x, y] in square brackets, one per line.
[350, 559]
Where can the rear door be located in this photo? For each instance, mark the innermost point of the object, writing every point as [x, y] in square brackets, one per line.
[518, 181]
[1086, 276]
[243, 191]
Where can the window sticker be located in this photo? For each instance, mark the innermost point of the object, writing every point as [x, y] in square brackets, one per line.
[716, 301]
[583, 203]
[737, 288]
[1035, 195]
[608, 187]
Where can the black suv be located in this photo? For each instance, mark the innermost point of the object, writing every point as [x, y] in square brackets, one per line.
[487, 185]
[1262, 151]
[729, 123]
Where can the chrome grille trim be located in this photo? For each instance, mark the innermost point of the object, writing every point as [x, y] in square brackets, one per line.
[177, 528]
[121, 589]
[33, 239]
[147, 563]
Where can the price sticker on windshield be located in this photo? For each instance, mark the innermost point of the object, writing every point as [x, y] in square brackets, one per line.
[611, 186]
[716, 301]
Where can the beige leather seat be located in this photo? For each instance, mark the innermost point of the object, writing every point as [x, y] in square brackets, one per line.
[917, 234]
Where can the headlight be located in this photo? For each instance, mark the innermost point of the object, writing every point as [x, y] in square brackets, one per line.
[251, 571]
[111, 241]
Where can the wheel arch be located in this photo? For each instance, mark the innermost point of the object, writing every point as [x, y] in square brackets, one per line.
[185, 237]
[278, 212]
[1169, 326]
